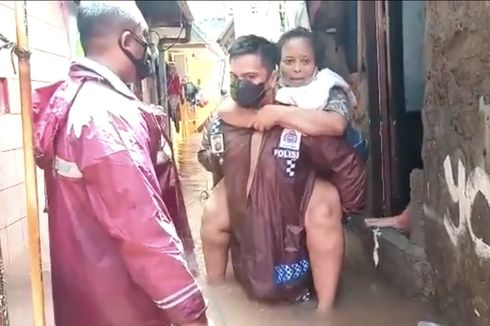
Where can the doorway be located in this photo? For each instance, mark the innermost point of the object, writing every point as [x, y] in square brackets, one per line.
[394, 61]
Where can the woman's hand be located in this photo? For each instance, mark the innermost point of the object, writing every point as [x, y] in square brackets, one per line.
[232, 114]
[268, 117]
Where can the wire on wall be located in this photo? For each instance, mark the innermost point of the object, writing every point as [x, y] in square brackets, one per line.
[14, 50]
[177, 40]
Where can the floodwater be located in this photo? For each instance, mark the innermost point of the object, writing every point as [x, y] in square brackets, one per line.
[364, 298]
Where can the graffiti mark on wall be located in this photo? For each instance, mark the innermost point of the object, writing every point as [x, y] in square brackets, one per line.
[464, 193]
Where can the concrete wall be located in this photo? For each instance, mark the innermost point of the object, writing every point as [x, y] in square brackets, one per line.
[456, 163]
[50, 49]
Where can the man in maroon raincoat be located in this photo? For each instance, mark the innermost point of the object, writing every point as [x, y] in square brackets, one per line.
[117, 259]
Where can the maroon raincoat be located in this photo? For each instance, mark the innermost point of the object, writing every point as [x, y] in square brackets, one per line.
[268, 246]
[116, 256]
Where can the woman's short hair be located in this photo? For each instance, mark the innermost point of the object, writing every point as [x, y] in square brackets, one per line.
[301, 32]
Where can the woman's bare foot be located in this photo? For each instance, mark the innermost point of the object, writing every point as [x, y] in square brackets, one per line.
[400, 222]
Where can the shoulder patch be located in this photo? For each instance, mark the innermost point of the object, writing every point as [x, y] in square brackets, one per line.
[216, 137]
[290, 139]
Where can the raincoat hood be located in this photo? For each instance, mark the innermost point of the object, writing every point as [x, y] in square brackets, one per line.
[52, 103]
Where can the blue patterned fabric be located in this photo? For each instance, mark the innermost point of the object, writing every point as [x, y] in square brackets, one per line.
[357, 140]
[286, 273]
[216, 126]
[216, 130]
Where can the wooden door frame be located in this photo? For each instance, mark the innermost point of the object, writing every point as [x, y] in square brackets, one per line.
[396, 102]
[374, 18]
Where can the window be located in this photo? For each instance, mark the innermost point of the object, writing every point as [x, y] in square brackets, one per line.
[4, 96]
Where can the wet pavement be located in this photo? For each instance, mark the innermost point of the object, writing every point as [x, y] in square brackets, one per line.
[364, 298]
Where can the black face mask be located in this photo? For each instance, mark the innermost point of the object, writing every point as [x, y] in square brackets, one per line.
[143, 66]
[247, 94]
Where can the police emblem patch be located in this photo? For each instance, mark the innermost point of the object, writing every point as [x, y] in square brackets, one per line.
[290, 139]
[217, 143]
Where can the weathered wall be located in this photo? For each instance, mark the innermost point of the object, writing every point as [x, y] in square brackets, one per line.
[456, 162]
[48, 40]
[50, 58]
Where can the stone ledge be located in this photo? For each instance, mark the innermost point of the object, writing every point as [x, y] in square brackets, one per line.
[401, 262]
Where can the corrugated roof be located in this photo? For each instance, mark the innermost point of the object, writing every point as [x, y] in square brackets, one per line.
[227, 28]
[165, 13]
[197, 36]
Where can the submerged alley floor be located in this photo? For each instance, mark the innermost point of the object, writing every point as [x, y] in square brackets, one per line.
[364, 299]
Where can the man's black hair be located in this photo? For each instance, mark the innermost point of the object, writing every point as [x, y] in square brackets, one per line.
[100, 18]
[301, 32]
[253, 44]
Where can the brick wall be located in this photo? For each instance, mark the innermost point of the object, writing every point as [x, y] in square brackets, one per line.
[48, 41]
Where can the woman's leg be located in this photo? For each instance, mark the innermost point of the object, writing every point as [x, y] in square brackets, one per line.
[325, 241]
[215, 234]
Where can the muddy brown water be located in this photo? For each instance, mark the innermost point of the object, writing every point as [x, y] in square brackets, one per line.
[364, 299]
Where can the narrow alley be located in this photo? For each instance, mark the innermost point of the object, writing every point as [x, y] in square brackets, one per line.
[413, 84]
[365, 299]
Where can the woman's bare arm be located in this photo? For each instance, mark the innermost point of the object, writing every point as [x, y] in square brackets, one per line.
[229, 111]
[313, 122]
[331, 121]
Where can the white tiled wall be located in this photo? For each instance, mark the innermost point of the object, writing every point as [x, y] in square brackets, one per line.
[50, 58]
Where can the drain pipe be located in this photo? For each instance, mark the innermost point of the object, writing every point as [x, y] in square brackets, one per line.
[30, 165]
